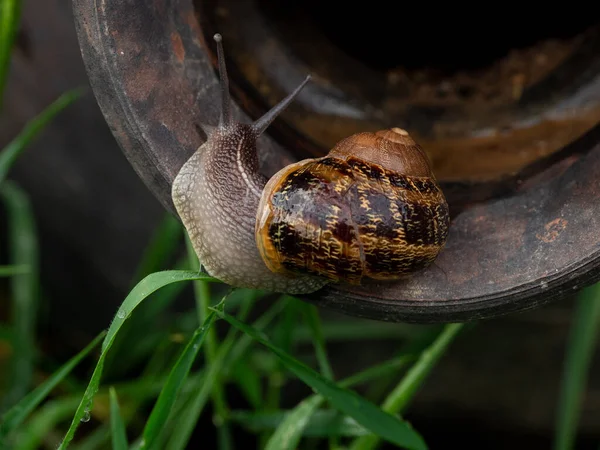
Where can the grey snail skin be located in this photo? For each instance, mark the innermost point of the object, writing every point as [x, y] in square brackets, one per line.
[371, 208]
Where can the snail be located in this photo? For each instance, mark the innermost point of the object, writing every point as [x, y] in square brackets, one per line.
[370, 209]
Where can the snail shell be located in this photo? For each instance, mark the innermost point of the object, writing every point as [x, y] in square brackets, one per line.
[370, 208]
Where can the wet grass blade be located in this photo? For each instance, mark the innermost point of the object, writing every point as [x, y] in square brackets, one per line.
[399, 398]
[367, 414]
[11, 152]
[288, 433]
[139, 293]
[230, 351]
[177, 412]
[23, 249]
[388, 367]
[282, 337]
[322, 423]
[117, 425]
[10, 16]
[203, 299]
[157, 254]
[170, 392]
[18, 413]
[54, 412]
[580, 348]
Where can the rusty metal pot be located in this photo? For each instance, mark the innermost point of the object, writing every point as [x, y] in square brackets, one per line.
[519, 171]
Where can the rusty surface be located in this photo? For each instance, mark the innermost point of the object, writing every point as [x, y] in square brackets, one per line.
[515, 243]
[476, 125]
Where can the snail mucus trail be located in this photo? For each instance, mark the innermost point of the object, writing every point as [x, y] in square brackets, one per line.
[371, 208]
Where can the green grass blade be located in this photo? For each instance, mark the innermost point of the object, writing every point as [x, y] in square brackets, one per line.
[201, 292]
[117, 425]
[290, 430]
[162, 300]
[18, 413]
[11, 152]
[23, 248]
[194, 407]
[399, 397]
[283, 329]
[245, 341]
[293, 426]
[282, 337]
[158, 252]
[314, 323]
[580, 348]
[42, 421]
[380, 370]
[203, 298]
[48, 417]
[322, 423]
[229, 352]
[367, 414]
[10, 16]
[178, 411]
[139, 293]
[313, 320]
[247, 379]
[9, 271]
[405, 390]
[170, 392]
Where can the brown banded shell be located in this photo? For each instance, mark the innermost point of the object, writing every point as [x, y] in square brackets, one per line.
[370, 208]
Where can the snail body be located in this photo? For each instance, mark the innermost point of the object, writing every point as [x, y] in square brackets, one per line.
[370, 208]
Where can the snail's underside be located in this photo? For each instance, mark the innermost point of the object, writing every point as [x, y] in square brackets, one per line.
[515, 241]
